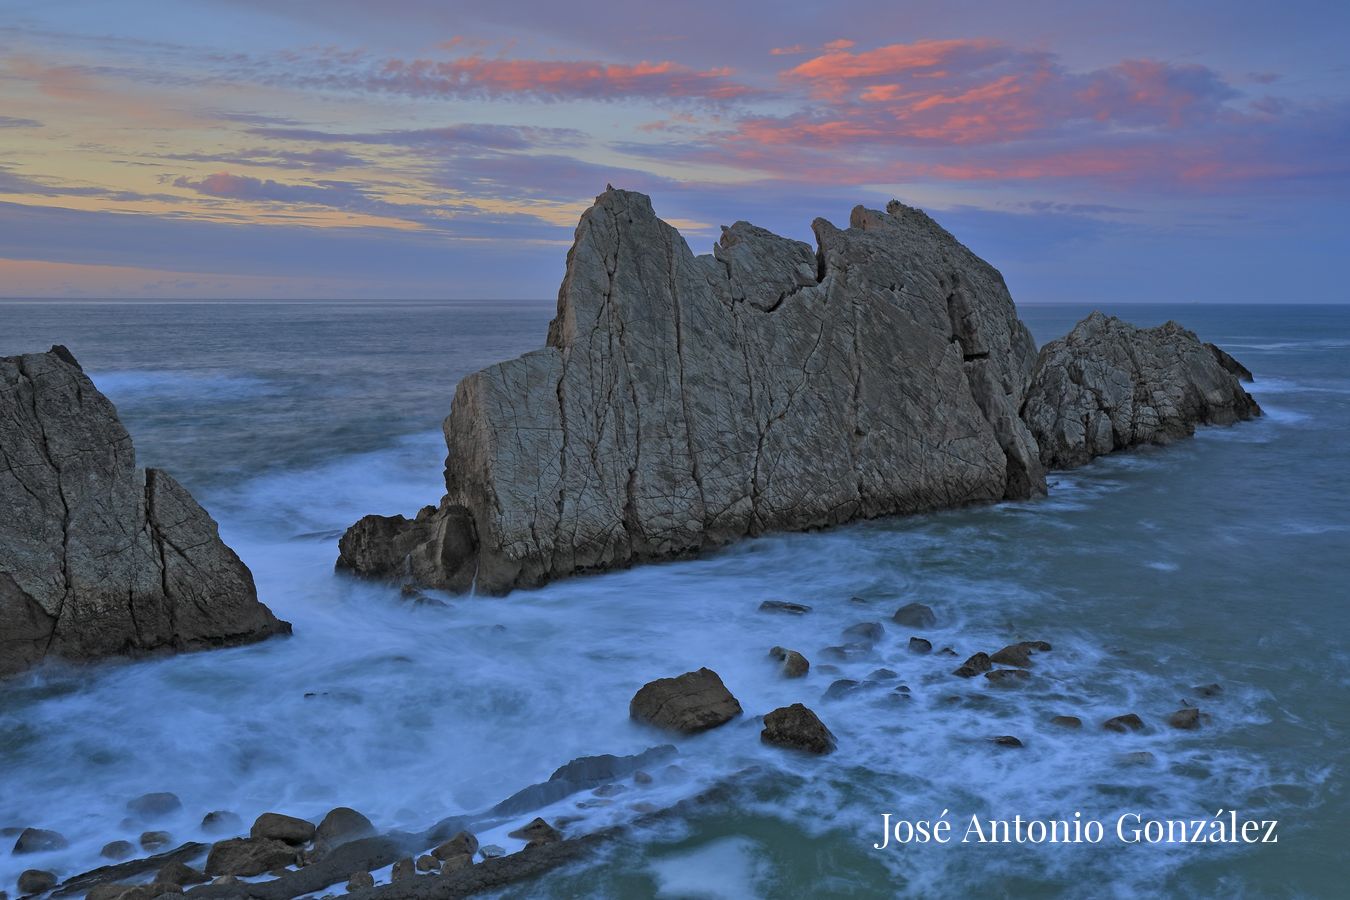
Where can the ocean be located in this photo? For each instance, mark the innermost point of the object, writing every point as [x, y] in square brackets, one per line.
[1223, 559]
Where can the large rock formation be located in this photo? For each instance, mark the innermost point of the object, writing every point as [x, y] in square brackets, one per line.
[98, 557]
[685, 401]
[1108, 385]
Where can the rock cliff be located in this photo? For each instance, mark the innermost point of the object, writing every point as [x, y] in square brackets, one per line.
[98, 557]
[1108, 385]
[682, 402]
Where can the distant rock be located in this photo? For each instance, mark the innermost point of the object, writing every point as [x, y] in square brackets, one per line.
[977, 664]
[537, 832]
[920, 645]
[244, 857]
[39, 840]
[783, 606]
[1008, 677]
[154, 806]
[1186, 718]
[222, 821]
[1109, 386]
[794, 664]
[688, 703]
[1006, 740]
[1124, 723]
[797, 728]
[278, 827]
[153, 840]
[915, 615]
[97, 557]
[340, 826]
[36, 881]
[117, 850]
[867, 632]
[1067, 722]
[1208, 690]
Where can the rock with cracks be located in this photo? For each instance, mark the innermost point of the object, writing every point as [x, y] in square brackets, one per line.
[688, 703]
[97, 557]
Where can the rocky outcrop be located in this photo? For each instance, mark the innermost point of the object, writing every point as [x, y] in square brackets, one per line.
[688, 703]
[1108, 386]
[682, 402]
[98, 557]
[798, 728]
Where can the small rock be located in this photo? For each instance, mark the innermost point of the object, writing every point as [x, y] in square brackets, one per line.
[153, 840]
[882, 675]
[1067, 722]
[688, 703]
[847, 652]
[794, 664]
[360, 881]
[537, 832]
[39, 840]
[1038, 646]
[287, 829]
[1005, 740]
[117, 850]
[947, 651]
[404, 868]
[915, 615]
[1122, 724]
[974, 666]
[1138, 758]
[428, 863]
[248, 856]
[462, 844]
[341, 825]
[180, 874]
[1186, 719]
[641, 777]
[920, 645]
[1007, 677]
[782, 606]
[222, 821]
[154, 806]
[35, 881]
[225, 879]
[1208, 690]
[491, 851]
[865, 631]
[454, 863]
[797, 728]
[841, 688]
[1012, 655]
[612, 789]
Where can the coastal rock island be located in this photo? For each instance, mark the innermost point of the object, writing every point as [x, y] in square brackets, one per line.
[682, 402]
[97, 556]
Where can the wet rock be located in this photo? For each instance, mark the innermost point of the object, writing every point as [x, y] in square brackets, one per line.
[1008, 677]
[1012, 655]
[947, 651]
[920, 645]
[1006, 740]
[794, 664]
[339, 826]
[248, 856]
[491, 851]
[1186, 719]
[841, 688]
[1232, 366]
[360, 881]
[1108, 386]
[428, 863]
[1067, 722]
[117, 850]
[455, 863]
[882, 675]
[537, 832]
[222, 821]
[1208, 690]
[688, 703]
[462, 844]
[641, 777]
[915, 615]
[132, 891]
[148, 807]
[783, 606]
[797, 728]
[278, 827]
[827, 669]
[404, 868]
[975, 665]
[865, 632]
[1122, 724]
[1138, 758]
[225, 879]
[153, 840]
[98, 557]
[613, 789]
[848, 652]
[180, 873]
[35, 881]
[39, 840]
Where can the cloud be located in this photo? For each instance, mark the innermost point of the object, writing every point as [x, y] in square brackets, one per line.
[11, 122]
[317, 160]
[490, 136]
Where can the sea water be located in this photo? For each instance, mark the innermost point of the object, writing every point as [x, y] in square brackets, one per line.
[1221, 559]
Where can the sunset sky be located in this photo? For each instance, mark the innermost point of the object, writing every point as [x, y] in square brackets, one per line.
[341, 148]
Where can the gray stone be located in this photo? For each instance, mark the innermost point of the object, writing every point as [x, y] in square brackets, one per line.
[36, 881]
[920, 645]
[797, 728]
[180, 873]
[404, 868]
[248, 856]
[117, 850]
[154, 806]
[1013, 655]
[975, 665]
[339, 826]
[684, 402]
[1123, 723]
[865, 631]
[278, 827]
[39, 840]
[1008, 677]
[153, 840]
[1187, 718]
[688, 703]
[1109, 386]
[428, 863]
[794, 664]
[1006, 740]
[97, 557]
[915, 615]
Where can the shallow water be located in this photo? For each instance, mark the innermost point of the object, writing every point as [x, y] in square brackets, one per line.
[1219, 559]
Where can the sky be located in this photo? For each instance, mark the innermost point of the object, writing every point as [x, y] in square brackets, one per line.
[1094, 152]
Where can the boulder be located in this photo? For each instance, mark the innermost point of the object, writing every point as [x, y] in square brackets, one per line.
[797, 728]
[1187, 718]
[222, 821]
[153, 840]
[975, 665]
[1013, 655]
[39, 840]
[117, 850]
[1108, 386]
[360, 881]
[428, 863]
[462, 844]
[865, 632]
[278, 827]
[682, 402]
[1006, 740]
[154, 806]
[688, 703]
[915, 615]
[1067, 722]
[339, 826]
[1208, 690]
[537, 832]
[404, 868]
[491, 851]
[97, 557]
[1124, 723]
[181, 874]
[36, 881]
[794, 664]
[1008, 677]
[248, 856]
[920, 645]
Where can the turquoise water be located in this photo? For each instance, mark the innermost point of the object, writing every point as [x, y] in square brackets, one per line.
[1222, 559]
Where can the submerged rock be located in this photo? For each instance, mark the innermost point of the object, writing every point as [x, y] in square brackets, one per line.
[117, 850]
[975, 665]
[920, 645]
[1187, 718]
[1008, 677]
[1067, 721]
[794, 664]
[97, 557]
[1006, 740]
[39, 840]
[1108, 386]
[222, 821]
[783, 606]
[688, 703]
[339, 826]
[153, 840]
[537, 832]
[36, 881]
[797, 728]
[154, 806]
[915, 615]
[1122, 724]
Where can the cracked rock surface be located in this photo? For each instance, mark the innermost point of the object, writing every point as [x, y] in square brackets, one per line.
[98, 557]
[1108, 385]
